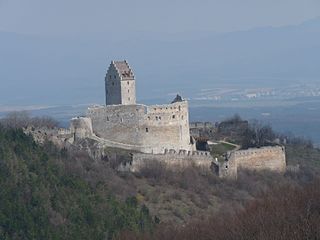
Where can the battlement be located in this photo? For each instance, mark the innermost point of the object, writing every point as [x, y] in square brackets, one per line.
[186, 153]
[171, 159]
[254, 151]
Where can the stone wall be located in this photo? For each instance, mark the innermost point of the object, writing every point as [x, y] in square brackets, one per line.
[171, 159]
[81, 127]
[156, 127]
[265, 158]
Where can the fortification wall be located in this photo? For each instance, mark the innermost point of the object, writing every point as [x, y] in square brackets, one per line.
[265, 158]
[171, 159]
[159, 126]
[81, 127]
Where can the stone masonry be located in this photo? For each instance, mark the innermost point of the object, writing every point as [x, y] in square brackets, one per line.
[122, 122]
[265, 158]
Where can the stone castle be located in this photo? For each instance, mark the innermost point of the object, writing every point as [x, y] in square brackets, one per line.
[157, 133]
[125, 124]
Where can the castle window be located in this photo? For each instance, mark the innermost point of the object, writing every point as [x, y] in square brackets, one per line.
[182, 117]
[156, 118]
[179, 108]
[109, 76]
[147, 129]
[148, 118]
[121, 119]
[159, 118]
[173, 116]
[129, 99]
[128, 84]
[128, 90]
[112, 83]
[115, 76]
[107, 118]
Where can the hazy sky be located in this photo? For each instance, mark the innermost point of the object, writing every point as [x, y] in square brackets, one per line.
[69, 17]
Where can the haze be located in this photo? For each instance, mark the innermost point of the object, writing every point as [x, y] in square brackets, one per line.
[57, 52]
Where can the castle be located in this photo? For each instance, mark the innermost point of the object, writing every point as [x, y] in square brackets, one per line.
[125, 124]
[157, 133]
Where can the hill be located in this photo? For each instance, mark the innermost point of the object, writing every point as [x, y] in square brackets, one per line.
[41, 198]
[47, 193]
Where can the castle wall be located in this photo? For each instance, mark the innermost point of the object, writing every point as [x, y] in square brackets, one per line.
[265, 158]
[81, 127]
[157, 127]
[171, 159]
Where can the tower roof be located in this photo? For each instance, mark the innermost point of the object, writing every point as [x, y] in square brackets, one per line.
[124, 69]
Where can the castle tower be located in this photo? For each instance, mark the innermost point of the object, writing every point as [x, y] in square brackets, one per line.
[120, 84]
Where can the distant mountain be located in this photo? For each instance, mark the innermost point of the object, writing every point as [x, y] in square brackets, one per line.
[44, 70]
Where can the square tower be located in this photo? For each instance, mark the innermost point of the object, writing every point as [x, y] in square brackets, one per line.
[120, 84]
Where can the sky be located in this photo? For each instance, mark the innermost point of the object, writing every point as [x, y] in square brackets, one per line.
[66, 45]
[123, 17]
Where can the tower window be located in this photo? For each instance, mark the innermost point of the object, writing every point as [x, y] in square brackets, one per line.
[112, 83]
[128, 82]
[173, 116]
[128, 90]
[128, 99]
[109, 76]
[147, 129]
[115, 76]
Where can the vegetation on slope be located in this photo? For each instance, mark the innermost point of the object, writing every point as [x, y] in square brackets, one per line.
[286, 212]
[40, 198]
[47, 193]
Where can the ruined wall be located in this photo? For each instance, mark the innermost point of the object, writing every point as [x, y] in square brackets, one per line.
[170, 159]
[157, 127]
[81, 127]
[265, 158]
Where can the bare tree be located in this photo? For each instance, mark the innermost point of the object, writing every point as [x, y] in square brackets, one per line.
[22, 119]
[16, 119]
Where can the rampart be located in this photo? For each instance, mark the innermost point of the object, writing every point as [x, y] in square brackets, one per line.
[265, 158]
[81, 127]
[159, 127]
[171, 159]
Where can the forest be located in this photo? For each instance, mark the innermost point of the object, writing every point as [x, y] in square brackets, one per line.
[53, 193]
